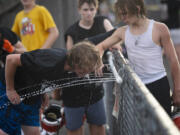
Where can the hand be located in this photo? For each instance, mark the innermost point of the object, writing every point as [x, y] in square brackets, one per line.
[100, 49]
[98, 71]
[45, 101]
[117, 47]
[56, 95]
[176, 98]
[13, 96]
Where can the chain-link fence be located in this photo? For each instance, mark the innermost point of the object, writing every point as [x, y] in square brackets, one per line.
[138, 112]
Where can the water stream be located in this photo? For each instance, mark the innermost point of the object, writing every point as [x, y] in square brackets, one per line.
[49, 86]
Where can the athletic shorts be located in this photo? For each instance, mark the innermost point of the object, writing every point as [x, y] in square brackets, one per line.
[161, 91]
[13, 116]
[95, 114]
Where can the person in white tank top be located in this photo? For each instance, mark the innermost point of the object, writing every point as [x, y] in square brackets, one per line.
[146, 41]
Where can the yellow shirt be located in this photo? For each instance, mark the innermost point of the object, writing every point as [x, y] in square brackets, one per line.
[32, 27]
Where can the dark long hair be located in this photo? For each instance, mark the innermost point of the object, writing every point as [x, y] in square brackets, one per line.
[130, 6]
[94, 2]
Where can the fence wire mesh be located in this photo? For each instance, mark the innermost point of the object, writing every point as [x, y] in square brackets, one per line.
[139, 113]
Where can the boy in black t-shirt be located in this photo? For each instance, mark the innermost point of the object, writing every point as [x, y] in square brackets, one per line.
[86, 95]
[31, 68]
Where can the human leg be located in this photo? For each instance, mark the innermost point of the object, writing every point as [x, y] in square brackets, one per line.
[31, 130]
[2, 132]
[74, 120]
[161, 91]
[97, 130]
[96, 118]
[75, 132]
[9, 115]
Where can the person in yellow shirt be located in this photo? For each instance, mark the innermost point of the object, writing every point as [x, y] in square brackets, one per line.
[35, 26]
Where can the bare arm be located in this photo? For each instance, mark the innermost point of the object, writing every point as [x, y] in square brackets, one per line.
[12, 62]
[110, 41]
[56, 94]
[69, 43]
[108, 26]
[19, 48]
[53, 35]
[170, 53]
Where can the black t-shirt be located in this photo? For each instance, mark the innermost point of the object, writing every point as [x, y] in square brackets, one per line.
[9, 35]
[78, 33]
[83, 95]
[39, 66]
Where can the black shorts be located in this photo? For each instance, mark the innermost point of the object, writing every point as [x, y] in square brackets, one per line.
[161, 91]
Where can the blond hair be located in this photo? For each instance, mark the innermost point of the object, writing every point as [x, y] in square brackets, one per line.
[85, 56]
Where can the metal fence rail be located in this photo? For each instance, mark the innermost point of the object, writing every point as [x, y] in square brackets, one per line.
[139, 112]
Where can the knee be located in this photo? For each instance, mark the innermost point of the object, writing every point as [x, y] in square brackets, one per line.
[97, 129]
[78, 131]
[2, 132]
[74, 127]
[31, 131]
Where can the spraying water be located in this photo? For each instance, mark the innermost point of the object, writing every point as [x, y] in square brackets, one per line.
[49, 86]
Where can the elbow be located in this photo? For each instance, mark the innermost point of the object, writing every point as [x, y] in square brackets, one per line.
[103, 47]
[9, 60]
[56, 33]
[13, 59]
[19, 48]
[53, 33]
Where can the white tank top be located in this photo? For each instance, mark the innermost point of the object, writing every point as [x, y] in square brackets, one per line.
[144, 55]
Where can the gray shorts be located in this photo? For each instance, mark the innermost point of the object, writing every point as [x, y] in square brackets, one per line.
[95, 114]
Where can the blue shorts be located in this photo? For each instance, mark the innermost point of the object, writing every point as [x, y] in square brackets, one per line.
[13, 116]
[95, 114]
